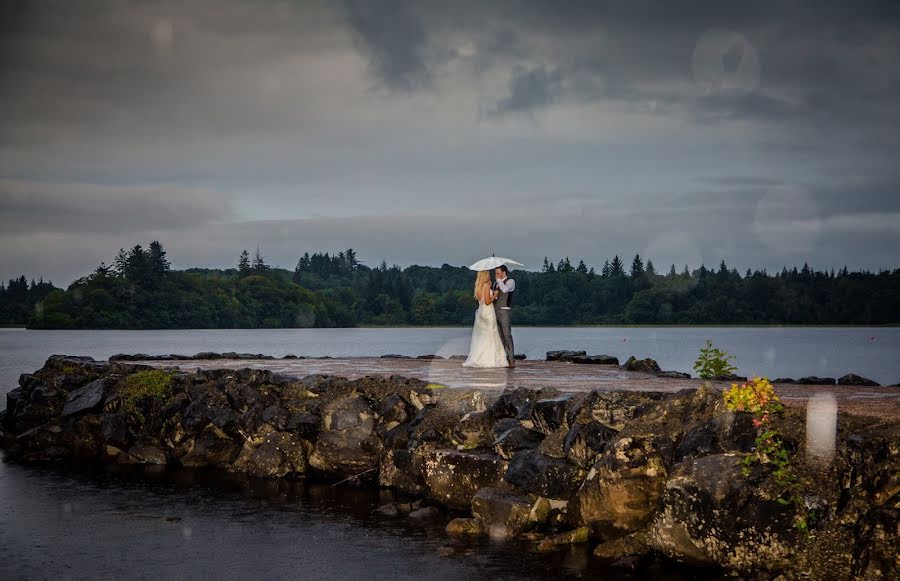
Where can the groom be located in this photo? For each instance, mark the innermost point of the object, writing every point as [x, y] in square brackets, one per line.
[504, 288]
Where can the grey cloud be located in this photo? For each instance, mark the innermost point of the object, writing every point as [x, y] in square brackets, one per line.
[395, 38]
[529, 89]
[679, 234]
[196, 119]
[61, 208]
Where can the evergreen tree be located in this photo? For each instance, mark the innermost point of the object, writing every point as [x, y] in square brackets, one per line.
[244, 263]
[259, 262]
[672, 272]
[651, 270]
[546, 267]
[616, 267]
[159, 266]
[637, 267]
[606, 270]
[582, 267]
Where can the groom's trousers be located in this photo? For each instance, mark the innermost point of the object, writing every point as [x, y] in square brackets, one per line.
[503, 319]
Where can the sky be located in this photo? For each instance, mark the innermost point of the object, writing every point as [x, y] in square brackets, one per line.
[421, 132]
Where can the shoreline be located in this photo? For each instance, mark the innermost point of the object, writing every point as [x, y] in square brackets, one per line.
[468, 325]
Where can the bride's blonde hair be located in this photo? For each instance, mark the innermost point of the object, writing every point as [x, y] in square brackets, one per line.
[481, 278]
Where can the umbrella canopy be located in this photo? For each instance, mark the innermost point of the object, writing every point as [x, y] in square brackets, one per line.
[493, 262]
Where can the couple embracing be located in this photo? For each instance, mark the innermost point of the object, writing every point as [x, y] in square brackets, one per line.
[492, 342]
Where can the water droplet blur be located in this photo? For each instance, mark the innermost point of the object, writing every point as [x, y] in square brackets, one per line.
[787, 220]
[162, 34]
[724, 60]
[821, 426]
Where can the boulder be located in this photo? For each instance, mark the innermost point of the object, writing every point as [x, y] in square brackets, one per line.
[611, 408]
[622, 490]
[548, 415]
[474, 430]
[515, 439]
[595, 359]
[538, 474]
[465, 527]
[212, 448]
[403, 470]
[674, 375]
[876, 556]
[347, 444]
[784, 380]
[584, 442]
[564, 355]
[710, 515]
[279, 454]
[454, 477]
[579, 535]
[514, 402]
[426, 512]
[501, 512]
[813, 380]
[856, 380]
[730, 377]
[641, 365]
[143, 454]
[116, 429]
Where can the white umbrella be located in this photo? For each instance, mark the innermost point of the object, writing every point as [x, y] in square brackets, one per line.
[493, 262]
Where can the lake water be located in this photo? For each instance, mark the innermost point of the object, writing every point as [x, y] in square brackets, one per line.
[770, 351]
[62, 524]
[145, 524]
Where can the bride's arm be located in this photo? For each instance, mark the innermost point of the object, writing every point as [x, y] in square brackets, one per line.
[486, 295]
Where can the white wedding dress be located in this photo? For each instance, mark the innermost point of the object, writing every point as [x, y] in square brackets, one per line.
[486, 349]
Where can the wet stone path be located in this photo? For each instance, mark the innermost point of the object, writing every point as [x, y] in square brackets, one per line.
[882, 402]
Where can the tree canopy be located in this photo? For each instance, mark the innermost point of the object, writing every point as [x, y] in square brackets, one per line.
[141, 291]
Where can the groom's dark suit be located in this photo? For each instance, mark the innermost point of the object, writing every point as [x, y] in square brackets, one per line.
[503, 310]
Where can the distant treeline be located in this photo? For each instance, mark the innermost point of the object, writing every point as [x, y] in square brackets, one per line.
[140, 291]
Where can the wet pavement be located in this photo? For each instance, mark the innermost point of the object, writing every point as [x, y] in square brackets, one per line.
[881, 402]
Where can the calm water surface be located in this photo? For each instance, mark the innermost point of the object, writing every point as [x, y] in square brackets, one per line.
[62, 524]
[771, 351]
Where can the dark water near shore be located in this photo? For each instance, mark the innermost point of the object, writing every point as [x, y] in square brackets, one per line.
[770, 351]
[62, 524]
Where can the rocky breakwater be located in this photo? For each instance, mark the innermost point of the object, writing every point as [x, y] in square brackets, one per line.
[636, 473]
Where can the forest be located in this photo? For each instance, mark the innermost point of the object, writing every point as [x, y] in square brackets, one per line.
[140, 290]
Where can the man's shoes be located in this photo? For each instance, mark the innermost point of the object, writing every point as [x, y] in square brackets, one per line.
[512, 365]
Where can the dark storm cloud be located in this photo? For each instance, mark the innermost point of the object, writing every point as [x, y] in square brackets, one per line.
[530, 89]
[760, 132]
[394, 35]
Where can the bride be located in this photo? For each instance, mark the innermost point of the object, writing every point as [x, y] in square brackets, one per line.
[486, 349]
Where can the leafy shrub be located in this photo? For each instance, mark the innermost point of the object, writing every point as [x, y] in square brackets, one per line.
[758, 397]
[713, 362]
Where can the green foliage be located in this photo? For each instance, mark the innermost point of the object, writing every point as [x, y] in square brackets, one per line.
[713, 362]
[139, 291]
[758, 397]
[151, 382]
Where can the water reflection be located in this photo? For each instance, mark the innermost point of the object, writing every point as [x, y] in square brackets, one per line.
[127, 522]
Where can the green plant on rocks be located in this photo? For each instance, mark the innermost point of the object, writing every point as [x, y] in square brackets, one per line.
[758, 397]
[713, 362]
[152, 383]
